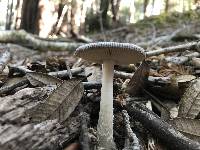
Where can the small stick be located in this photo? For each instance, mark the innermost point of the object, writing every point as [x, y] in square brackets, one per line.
[151, 79]
[182, 59]
[22, 70]
[65, 73]
[134, 142]
[59, 74]
[194, 46]
[84, 131]
[123, 75]
[69, 71]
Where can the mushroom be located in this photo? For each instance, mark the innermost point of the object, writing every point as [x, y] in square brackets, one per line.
[109, 54]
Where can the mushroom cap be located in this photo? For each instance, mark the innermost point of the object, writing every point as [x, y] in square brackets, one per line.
[120, 53]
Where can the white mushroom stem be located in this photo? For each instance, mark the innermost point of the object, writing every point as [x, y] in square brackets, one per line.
[105, 122]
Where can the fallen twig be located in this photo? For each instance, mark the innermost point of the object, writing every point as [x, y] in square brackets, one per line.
[182, 59]
[151, 79]
[166, 133]
[65, 73]
[84, 139]
[194, 46]
[132, 138]
[123, 75]
[22, 70]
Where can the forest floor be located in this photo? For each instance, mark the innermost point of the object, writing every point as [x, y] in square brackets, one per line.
[50, 99]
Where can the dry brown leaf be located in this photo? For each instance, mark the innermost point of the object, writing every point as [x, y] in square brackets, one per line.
[189, 127]
[138, 79]
[60, 104]
[190, 102]
[37, 79]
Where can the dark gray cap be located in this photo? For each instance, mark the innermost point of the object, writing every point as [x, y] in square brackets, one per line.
[120, 53]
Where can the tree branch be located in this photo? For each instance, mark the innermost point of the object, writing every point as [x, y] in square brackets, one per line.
[165, 132]
[22, 37]
[194, 46]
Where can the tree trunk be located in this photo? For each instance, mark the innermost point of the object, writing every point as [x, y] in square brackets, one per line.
[9, 14]
[29, 15]
[115, 8]
[83, 16]
[19, 14]
[44, 26]
[75, 8]
[104, 5]
[145, 7]
[166, 6]
[132, 11]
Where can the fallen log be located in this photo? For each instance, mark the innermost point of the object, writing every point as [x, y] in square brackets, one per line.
[29, 40]
[17, 132]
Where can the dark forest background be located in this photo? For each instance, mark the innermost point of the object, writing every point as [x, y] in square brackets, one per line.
[69, 18]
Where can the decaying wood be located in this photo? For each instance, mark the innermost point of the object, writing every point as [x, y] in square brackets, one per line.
[13, 107]
[192, 46]
[4, 58]
[172, 138]
[17, 132]
[47, 135]
[24, 38]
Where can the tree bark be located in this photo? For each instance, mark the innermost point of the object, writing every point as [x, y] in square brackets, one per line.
[115, 9]
[19, 14]
[104, 5]
[9, 15]
[75, 10]
[145, 7]
[17, 132]
[166, 6]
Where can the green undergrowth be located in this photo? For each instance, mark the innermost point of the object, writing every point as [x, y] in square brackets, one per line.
[167, 20]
